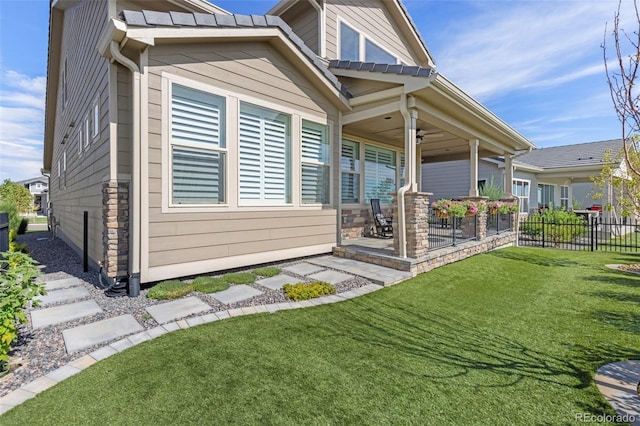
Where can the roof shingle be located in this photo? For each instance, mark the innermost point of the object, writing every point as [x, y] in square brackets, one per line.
[583, 154]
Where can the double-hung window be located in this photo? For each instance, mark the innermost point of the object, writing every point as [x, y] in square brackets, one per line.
[521, 190]
[264, 156]
[198, 146]
[96, 118]
[350, 167]
[87, 130]
[315, 163]
[564, 197]
[379, 173]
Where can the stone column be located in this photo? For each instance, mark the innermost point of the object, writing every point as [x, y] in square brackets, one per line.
[115, 218]
[474, 226]
[416, 222]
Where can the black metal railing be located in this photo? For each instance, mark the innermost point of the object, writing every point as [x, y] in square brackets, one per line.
[498, 223]
[581, 234]
[447, 231]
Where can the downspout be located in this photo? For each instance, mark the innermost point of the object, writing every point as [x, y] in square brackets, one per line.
[408, 149]
[134, 219]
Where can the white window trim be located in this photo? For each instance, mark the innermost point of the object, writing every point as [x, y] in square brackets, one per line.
[362, 36]
[528, 197]
[362, 142]
[95, 114]
[87, 129]
[79, 139]
[232, 168]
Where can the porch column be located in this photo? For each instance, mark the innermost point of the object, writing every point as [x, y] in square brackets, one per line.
[419, 166]
[473, 163]
[416, 222]
[508, 176]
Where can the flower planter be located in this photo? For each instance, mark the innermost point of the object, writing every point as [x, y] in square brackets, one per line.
[441, 215]
[493, 210]
[469, 214]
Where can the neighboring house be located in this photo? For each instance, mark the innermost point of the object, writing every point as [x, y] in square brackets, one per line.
[198, 140]
[39, 188]
[557, 176]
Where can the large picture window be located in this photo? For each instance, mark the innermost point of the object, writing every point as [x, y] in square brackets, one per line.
[350, 166]
[315, 163]
[546, 196]
[349, 43]
[379, 173]
[264, 154]
[198, 146]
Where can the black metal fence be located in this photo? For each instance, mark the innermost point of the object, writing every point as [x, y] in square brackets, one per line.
[4, 232]
[581, 234]
[448, 231]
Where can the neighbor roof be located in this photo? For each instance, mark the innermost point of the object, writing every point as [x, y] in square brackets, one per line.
[148, 18]
[582, 154]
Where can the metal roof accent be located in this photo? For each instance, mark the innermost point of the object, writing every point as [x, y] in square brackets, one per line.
[582, 154]
[148, 18]
[412, 70]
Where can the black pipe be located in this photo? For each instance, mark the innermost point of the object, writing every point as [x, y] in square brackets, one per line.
[85, 243]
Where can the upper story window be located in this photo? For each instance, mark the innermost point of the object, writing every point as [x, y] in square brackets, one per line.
[355, 46]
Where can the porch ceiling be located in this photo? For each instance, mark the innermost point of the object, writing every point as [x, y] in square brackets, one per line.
[437, 145]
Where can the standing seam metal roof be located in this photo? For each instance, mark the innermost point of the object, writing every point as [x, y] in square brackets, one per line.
[149, 18]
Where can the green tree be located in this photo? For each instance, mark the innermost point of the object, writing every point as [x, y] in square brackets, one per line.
[622, 75]
[18, 194]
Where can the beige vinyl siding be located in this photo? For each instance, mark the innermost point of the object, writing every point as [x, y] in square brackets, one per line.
[371, 18]
[359, 87]
[303, 20]
[87, 78]
[258, 71]
[125, 101]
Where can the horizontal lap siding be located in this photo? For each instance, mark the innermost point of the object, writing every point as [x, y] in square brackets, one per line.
[370, 17]
[446, 180]
[87, 79]
[303, 20]
[254, 70]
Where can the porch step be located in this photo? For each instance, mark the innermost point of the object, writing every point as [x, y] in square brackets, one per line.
[377, 274]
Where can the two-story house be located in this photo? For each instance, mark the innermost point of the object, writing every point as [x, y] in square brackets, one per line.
[39, 188]
[199, 140]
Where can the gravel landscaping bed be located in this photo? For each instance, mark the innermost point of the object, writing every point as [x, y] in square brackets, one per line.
[39, 351]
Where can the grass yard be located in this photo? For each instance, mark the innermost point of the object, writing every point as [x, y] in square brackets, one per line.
[509, 337]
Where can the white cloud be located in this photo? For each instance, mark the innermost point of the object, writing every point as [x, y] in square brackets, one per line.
[21, 125]
[509, 46]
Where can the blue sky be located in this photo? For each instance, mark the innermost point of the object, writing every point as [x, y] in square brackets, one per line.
[536, 64]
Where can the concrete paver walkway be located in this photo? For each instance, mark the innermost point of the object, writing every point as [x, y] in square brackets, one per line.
[62, 283]
[236, 293]
[277, 282]
[303, 268]
[619, 383]
[375, 273]
[88, 335]
[331, 277]
[170, 311]
[63, 295]
[64, 313]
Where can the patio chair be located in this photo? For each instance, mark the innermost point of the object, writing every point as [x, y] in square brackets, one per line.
[382, 224]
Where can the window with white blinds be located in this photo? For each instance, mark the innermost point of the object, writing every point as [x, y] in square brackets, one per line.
[264, 156]
[198, 146]
[350, 166]
[315, 163]
[379, 173]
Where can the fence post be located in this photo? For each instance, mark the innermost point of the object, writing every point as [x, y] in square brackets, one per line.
[592, 219]
[4, 232]
[543, 236]
[453, 220]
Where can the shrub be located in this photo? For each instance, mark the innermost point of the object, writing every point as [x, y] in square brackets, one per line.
[14, 245]
[17, 289]
[171, 289]
[305, 291]
[491, 190]
[22, 227]
[240, 278]
[560, 226]
[8, 206]
[209, 284]
[267, 271]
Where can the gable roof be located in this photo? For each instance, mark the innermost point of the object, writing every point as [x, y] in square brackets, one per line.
[396, 6]
[148, 18]
[577, 155]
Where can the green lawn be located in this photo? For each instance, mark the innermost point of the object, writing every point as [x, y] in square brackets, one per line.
[509, 337]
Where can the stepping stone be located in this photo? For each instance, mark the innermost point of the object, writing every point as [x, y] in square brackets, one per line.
[63, 283]
[304, 268]
[236, 293]
[169, 311]
[63, 313]
[331, 277]
[88, 335]
[57, 296]
[276, 283]
[618, 383]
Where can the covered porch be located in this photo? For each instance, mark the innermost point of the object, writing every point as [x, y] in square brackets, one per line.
[419, 117]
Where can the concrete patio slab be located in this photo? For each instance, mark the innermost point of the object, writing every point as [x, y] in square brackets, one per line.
[63, 313]
[88, 335]
[303, 268]
[375, 273]
[619, 383]
[331, 277]
[63, 283]
[236, 293]
[64, 295]
[170, 311]
[276, 283]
